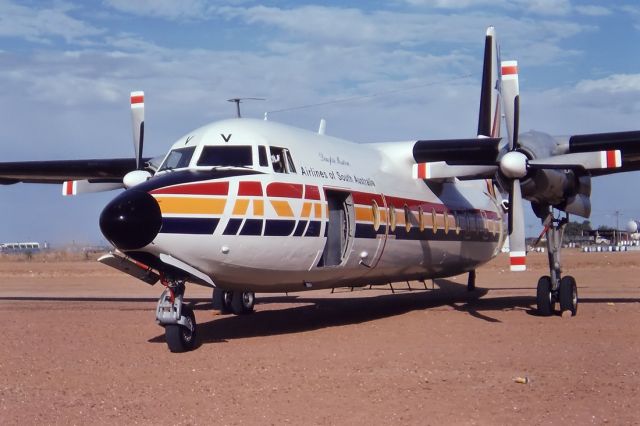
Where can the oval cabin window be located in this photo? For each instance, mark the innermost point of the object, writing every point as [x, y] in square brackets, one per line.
[434, 221]
[375, 212]
[407, 218]
[446, 222]
[392, 218]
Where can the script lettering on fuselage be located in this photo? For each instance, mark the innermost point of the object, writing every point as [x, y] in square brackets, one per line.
[335, 175]
[333, 160]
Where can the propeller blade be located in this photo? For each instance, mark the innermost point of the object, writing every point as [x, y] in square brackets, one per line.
[75, 187]
[510, 92]
[442, 170]
[517, 247]
[585, 160]
[137, 116]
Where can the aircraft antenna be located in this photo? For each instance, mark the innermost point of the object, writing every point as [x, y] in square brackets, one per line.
[239, 100]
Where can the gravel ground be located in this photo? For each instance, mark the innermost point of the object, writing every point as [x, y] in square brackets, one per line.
[80, 346]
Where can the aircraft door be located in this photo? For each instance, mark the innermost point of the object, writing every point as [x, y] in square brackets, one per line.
[340, 228]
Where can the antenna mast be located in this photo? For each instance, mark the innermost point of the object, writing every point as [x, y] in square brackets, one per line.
[239, 100]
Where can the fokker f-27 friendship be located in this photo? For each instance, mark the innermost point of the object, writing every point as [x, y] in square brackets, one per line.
[246, 205]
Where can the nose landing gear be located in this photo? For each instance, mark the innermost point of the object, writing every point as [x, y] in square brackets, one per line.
[554, 288]
[176, 317]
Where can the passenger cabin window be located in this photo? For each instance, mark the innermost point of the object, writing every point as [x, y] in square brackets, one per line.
[226, 156]
[178, 158]
[281, 160]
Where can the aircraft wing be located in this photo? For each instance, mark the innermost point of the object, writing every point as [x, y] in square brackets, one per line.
[628, 143]
[59, 171]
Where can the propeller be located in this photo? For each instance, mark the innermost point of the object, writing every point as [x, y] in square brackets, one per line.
[139, 175]
[479, 159]
[513, 165]
[132, 178]
[137, 119]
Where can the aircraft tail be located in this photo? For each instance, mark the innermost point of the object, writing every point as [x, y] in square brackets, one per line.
[489, 116]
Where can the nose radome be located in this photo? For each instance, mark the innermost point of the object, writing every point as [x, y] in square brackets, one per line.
[131, 220]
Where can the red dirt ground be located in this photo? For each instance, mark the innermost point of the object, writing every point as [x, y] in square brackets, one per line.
[80, 346]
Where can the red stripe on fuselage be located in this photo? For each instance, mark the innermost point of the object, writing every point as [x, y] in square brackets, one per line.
[367, 198]
[69, 187]
[207, 188]
[284, 190]
[311, 192]
[250, 189]
[137, 99]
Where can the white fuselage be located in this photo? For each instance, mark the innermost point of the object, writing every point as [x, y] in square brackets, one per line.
[350, 214]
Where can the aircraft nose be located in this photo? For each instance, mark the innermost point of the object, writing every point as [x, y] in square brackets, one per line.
[131, 220]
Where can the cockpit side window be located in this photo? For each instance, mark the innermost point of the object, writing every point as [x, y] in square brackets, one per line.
[226, 156]
[262, 156]
[281, 160]
[178, 158]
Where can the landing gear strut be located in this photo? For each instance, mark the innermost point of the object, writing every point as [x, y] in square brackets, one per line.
[554, 288]
[176, 317]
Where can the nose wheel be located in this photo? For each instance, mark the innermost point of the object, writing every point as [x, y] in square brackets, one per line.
[554, 288]
[176, 317]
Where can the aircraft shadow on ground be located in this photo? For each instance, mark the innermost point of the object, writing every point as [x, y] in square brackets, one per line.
[317, 313]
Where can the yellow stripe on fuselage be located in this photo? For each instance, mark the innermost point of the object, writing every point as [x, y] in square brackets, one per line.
[282, 208]
[241, 207]
[187, 205]
[364, 214]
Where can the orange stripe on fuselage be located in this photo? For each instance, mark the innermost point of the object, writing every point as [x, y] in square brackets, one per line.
[187, 205]
[282, 208]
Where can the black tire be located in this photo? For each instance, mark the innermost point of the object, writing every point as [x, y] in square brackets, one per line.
[226, 301]
[544, 299]
[242, 302]
[568, 295]
[221, 300]
[180, 338]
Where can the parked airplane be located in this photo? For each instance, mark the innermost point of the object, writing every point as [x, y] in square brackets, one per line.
[245, 205]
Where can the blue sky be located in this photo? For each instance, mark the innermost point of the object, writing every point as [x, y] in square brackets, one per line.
[66, 69]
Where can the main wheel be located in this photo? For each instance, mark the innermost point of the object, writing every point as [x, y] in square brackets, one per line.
[568, 295]
[242, 302]
[544, 298]
[182, 338]
[227, 296]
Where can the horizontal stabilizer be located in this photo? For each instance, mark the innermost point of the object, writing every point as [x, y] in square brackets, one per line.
[75, 187]
[442, 170]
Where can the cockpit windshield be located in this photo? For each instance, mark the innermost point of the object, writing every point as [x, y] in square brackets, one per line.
[226, 156]
[178, 158]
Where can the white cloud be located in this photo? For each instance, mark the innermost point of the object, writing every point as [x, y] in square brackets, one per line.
[41, 24]
[616, 83]
[547, 7]
[170, 9]
[592, 10]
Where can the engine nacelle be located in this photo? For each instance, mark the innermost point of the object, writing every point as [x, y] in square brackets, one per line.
[566, 190]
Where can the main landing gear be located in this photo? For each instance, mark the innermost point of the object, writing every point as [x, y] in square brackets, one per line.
[176, 317]
[554, 288]
[236, 302]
